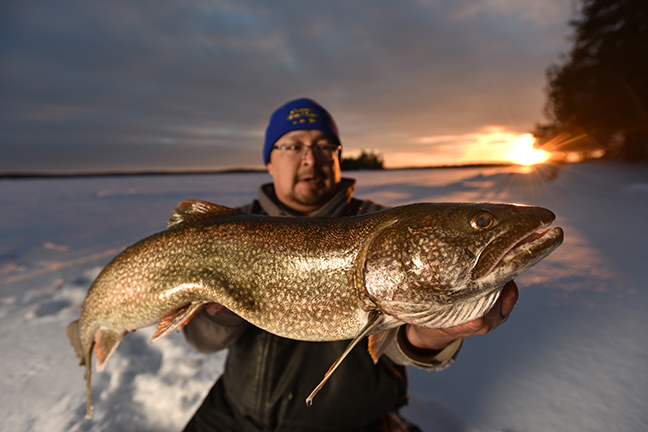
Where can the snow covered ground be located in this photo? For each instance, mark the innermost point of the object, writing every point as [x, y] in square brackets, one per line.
[572, 357]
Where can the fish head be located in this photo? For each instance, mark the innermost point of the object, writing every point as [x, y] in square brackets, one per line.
[440, 265]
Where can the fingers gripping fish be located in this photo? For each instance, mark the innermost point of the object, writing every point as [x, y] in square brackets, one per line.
[433, 265]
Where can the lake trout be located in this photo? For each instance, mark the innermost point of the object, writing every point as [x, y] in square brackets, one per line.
[433, 265]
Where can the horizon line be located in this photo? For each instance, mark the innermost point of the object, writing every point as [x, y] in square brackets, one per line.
[153, 172]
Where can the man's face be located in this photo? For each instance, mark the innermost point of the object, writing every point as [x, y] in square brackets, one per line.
[306, 182]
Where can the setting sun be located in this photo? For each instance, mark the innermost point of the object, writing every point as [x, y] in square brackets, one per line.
[524, 153]
[491, 144]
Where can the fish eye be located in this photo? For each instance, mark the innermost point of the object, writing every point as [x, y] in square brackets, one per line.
[482, 221]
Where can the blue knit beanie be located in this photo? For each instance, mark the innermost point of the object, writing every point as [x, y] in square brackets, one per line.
[298, 114]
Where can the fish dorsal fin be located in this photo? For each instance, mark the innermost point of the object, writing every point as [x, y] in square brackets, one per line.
[372, 321]
[195, 212]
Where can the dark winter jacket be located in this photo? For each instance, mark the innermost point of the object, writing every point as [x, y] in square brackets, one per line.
[267, 377]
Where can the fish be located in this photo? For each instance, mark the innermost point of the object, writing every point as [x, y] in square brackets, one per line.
[433, 265]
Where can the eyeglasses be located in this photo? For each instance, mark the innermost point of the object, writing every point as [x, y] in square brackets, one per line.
[298, 150]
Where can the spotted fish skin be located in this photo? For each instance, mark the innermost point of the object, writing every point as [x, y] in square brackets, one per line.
[428, 264]
[444, 270]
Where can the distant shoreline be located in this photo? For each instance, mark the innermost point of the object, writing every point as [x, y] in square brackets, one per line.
[40, 174]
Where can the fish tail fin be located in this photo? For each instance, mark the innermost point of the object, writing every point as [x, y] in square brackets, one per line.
[88, 378]
[379, 342]
[74, 334]
[175, 320]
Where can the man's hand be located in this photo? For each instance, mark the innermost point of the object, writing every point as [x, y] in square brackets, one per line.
[437, 339]
[214, 309]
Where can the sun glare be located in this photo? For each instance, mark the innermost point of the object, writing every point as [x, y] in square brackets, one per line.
[491, 144]
[525, 154]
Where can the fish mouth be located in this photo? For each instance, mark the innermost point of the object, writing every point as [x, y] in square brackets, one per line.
[524, 252]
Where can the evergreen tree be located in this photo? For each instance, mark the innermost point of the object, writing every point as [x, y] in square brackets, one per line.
[600, 91]
[367, 160]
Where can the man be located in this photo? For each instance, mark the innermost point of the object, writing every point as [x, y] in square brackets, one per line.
[267, 377]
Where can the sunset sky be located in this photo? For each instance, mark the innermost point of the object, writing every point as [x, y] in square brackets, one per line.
[129, 85]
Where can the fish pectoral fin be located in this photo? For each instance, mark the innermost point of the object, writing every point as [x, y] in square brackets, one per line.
[194, 212]
[374, 319]
[176, 319]
[379, 342]
[106, 341]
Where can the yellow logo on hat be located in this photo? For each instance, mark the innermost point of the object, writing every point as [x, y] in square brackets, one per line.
[302, 115]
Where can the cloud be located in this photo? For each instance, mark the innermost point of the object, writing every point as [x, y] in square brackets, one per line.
[176, 75]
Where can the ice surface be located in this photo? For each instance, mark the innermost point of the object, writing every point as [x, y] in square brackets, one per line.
[572, 357]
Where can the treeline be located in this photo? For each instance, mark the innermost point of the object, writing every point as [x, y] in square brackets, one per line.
[597, 97]
[367, 160]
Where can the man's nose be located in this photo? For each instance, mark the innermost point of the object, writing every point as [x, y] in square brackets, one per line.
[309, 154]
